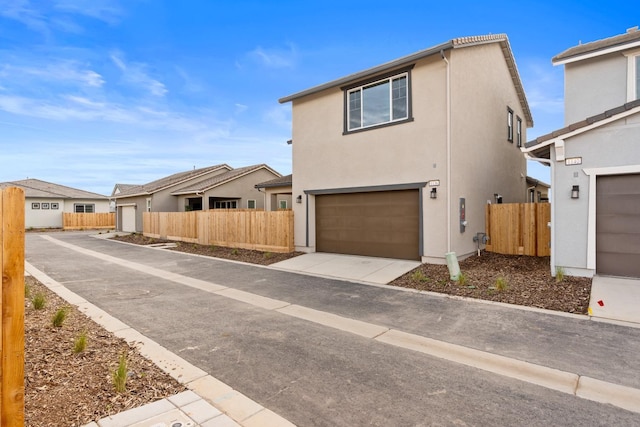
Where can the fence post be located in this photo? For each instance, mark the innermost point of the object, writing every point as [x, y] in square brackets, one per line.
[12, 300]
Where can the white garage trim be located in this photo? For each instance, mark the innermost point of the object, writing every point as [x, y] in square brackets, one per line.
[593, 173]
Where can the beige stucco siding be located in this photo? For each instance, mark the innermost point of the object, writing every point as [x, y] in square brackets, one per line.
[484, 162]
[409, 152]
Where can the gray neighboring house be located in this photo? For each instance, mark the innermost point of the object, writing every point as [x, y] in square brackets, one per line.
[213, 187]
[400, 160]
[595, 160]
[277, 193]
[537, 191]
[45, 202]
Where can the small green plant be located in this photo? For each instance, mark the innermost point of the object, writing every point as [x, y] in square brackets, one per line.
[58, 319]
[267, 255]
[501, 284]
[80, 343]
[235, 251]
[27, 291]
[419, 276]
[212, 247]
[39, 301]
[462, 279]
[559, 274]
[119, 376]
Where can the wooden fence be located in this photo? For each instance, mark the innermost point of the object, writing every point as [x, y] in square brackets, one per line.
[12, 307]
[248, 229]
[519, 228]
[87, 221]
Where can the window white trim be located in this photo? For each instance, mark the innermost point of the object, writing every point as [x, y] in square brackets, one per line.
[251, 201]
[633, 58]
[519, 131]
[149, 204]
[281, 203]
[593, 173]
[509, 124]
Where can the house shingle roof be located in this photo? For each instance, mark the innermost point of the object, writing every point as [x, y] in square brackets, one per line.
[283, 181]
[632, 35]
[214, 181]
[128, 190]
[541, 140]
[42, 189]
[460, 42]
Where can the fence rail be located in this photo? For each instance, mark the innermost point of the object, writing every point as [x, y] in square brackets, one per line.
[519, 228]
[81, 221]
[248, 229]
[12, 307]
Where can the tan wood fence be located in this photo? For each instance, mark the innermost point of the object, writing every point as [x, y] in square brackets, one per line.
[248, 229]
[519, 228]
[86, 221]
[12, 307]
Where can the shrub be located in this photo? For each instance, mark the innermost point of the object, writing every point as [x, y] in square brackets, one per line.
[462, 279]
[27, 291]
[267, 255]
[119, 376]
[59, 317]
[559, 274]
[235, 251]
[80, 343]
[501, 284]
[419, 276]
[39, 301]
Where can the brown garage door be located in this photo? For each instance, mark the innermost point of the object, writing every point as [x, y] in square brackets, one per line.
[381, 224]
[618, 225]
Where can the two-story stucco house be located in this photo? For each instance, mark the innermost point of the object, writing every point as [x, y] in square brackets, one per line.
[399, 160]
[595, 160]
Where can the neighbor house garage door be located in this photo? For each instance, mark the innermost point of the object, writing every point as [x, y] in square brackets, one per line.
[129, 218]
[381, 224]
[618, 225]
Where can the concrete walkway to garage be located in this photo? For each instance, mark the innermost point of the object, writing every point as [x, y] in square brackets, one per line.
[615, 298]
[378, 271]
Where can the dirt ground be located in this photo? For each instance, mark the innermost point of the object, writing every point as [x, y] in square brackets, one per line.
[64, 388]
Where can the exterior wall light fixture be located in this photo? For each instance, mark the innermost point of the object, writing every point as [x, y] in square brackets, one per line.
[434, 193]
[299, 199]
[575, 192]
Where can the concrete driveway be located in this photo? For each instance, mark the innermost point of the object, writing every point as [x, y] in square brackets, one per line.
[326, 352]
[378, 271]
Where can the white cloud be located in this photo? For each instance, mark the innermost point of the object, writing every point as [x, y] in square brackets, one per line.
[49, 71]
[107, 11]
[241, 108]
[275, 58]
[280, 115]
[135, 74]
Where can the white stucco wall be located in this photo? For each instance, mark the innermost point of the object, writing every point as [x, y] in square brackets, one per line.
[612, 149]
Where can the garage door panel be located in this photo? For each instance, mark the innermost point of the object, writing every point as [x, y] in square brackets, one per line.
[383, 224]
[618, 225]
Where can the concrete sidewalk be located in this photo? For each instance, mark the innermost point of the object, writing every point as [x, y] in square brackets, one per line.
[561, 352]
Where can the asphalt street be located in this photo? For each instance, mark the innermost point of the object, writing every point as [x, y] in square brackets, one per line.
[314, 375]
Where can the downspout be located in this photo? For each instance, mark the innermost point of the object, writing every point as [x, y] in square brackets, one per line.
[448, 96]
[552, 263]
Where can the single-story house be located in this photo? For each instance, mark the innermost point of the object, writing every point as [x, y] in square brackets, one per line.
[213, 187]
[277, 193]
[537, 191]
[45, 202]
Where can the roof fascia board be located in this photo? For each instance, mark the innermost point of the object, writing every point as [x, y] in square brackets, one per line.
[563, 137]
[388, 66]
[182, 193]
[192, 178]
[594, 53]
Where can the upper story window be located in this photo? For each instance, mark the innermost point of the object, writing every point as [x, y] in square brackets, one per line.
[519, 131]
[509, 124]
[637, 58]
[378, 102]
[633, 75]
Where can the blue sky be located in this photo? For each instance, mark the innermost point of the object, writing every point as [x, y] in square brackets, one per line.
[99, 92]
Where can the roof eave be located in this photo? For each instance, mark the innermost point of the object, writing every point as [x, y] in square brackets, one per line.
[388, 66]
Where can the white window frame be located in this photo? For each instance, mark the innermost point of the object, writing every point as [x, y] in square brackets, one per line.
[54, 206]
[149, 204]
[225, 204]
[35, 205]
[519, 131]
[633, 71]
[280, 204]
[361, 88]
[249, 202]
